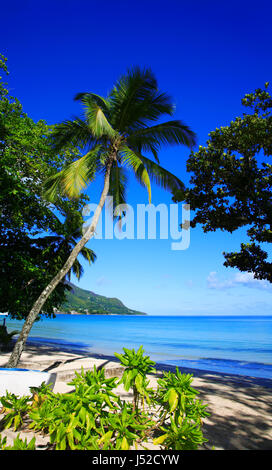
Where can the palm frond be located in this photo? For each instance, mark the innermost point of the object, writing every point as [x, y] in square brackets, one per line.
[167, 133]
[155, 172]
[74, 178]
[117, 189]
[135, 99]
[154, 151]
[74, 132]
[127, 115]
[143, 113]
[132, 160]
[88, 254]
[161, 176]
[102, 102]
[95, 110]
[77, 269]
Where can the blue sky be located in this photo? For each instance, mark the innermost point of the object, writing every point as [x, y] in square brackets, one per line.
[206, 55]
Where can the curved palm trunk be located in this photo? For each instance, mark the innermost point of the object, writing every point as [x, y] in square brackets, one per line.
[34, 312]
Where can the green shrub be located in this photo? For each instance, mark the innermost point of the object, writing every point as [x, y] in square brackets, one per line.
[14, 409]
[93, 417]
[136, 368]
[18, 444]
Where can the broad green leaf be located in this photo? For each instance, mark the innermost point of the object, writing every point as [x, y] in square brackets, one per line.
[107, 400]
[173, 399]
[139, 383]
[140, 351]
[32, 444]
[125, 444]
[97, 120]
[82, 414]
[106, 438]
[122, 359]
[70, 439]
[160, 440]
[62, 444]
[16, 422]
[127, 379]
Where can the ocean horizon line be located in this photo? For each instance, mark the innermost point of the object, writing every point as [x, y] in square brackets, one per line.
[167, 315]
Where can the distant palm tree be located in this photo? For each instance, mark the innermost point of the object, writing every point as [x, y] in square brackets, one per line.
[115, 133]
[58, 247]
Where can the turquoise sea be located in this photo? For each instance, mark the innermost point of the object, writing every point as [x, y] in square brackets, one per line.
[226, 344]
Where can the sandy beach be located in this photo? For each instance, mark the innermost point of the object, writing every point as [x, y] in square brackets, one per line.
[240, 407]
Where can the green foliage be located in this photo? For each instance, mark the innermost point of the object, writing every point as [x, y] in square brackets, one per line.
[14, 409]
[18, 444]
[28, 258]
[94, 417]
[183, 435]
[231, 182]
[3, 442]
[82, 301]
[137, 366]
[119, 129]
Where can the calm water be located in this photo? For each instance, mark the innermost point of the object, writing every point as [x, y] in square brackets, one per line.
[235, 345]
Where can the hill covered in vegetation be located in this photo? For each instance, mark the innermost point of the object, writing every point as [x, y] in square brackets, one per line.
[86, 302]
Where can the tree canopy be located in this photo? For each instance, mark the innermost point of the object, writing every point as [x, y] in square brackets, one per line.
[230, 185]
[121, 127]
[29, 227]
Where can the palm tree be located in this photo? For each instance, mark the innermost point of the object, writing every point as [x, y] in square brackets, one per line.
[116, 133]
[59, 246]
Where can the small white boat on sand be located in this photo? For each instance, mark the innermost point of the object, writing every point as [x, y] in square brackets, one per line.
[19, 381]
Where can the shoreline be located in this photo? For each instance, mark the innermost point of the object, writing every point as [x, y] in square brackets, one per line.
[239, 406]
[239, 355]
[160, 366]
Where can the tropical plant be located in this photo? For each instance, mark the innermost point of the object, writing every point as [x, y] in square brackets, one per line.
[3, 442]
[14, 409]
[176, 393]
[58, 247]
[18, 444]
[99, 387]
[93, 417]
[27, 262]
[116, 133]
[136, 368]
[231, 182]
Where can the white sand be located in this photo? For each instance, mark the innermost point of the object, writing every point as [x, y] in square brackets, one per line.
[240, 408]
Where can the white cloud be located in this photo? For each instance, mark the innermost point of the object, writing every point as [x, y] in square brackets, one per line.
[239, 279]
